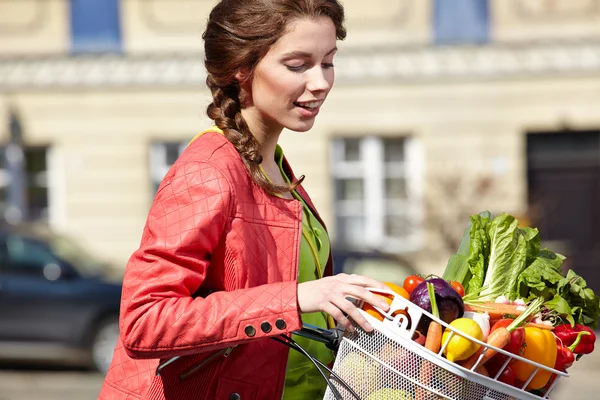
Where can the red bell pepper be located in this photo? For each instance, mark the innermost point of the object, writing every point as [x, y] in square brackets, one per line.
[564, 357]
[564, 354]
[568, 335]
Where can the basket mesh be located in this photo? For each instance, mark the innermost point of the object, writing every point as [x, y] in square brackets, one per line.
[379, 368]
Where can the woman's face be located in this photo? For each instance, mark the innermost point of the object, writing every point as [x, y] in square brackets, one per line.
[291, 82]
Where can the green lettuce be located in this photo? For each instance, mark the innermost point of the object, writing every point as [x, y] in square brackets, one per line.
[496, 258]
[510, 250]
[467, 266]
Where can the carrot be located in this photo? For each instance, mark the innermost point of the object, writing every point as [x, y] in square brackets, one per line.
[495, 310]
[433, 342]
[482, 370]
[527, 324]
[500, 337]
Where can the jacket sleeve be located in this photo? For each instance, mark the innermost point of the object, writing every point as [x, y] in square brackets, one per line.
[159, 316]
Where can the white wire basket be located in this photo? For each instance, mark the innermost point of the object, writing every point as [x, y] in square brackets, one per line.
[386, 364]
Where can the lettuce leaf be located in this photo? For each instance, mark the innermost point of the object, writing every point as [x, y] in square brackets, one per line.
[541, 277]
[479, 253]
[585, 304]
[510, 250]
[461, 265]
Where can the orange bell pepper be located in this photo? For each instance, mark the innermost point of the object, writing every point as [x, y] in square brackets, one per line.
[541, 348]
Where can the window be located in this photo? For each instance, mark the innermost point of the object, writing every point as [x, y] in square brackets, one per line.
[95, 26]
[34, 184]
[377, 187]
[31, 257]
[162, 156]
[461, 21]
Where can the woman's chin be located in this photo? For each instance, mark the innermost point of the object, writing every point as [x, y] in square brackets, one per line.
[301, 126]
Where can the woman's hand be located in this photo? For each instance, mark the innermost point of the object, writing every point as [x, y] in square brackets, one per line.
[330, 295]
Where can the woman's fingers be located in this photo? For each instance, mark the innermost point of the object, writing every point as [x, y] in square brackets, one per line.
[368, 296]
[338, 316]
[333, 295]
[361, 280]
[352, 312]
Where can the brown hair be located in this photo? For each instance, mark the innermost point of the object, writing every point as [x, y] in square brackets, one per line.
[238, 35]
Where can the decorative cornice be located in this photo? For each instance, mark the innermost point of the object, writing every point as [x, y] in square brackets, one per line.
[353, 66]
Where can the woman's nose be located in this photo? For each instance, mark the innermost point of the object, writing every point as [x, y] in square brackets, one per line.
[317, 81]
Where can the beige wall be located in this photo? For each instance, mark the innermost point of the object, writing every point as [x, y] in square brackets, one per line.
[42, 26]
[164, 25]
[526, 20]
[34, 27]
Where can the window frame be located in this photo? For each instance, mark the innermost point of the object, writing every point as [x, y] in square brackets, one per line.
[374, 202]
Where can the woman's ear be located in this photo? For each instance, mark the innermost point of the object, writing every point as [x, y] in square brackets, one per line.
[244, 80]
[241, 76]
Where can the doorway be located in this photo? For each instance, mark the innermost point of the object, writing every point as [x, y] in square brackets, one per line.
[563, 176]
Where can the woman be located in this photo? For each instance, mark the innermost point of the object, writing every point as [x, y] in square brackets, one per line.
[233, 251]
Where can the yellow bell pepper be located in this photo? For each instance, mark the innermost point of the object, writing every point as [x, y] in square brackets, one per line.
[540, 347]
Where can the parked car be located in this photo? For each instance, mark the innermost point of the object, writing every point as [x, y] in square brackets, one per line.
[385, 267]
[57, 302]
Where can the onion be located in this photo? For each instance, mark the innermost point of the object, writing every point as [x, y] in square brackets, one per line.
[502, 300]
[449, 302]
[482, 319]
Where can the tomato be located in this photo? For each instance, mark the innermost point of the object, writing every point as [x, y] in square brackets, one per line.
[508, 376]
[517, 339]
[411, 282]
[501, 323]
[458, 288]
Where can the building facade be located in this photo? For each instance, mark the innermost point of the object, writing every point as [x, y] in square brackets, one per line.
[440, 110]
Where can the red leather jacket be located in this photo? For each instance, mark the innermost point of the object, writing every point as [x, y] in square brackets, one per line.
[214, 277]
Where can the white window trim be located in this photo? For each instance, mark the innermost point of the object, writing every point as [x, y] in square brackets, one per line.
[374, 202]
[57, 188]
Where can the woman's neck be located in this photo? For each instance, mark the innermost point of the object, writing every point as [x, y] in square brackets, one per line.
[266, 135]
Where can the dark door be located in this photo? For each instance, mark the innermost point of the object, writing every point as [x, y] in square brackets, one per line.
[36, 302]
[564, 197]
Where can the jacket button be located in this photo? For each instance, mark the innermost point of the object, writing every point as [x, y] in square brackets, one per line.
[250, 331]
[265, 327]
[280, 324]
[234, 396]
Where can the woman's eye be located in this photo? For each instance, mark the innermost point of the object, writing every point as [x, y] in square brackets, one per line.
[327, 65]
[296, 68]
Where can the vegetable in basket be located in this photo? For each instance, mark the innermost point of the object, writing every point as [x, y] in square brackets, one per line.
[568, 335]
[449, 302]
[502, 336]
[540, 347]
[388, 298]
[390, 394]
[460, 348]
[565, 356]
[497, 258]
[433, 341]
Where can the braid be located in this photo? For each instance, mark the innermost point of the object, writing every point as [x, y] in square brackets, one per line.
[225, 110]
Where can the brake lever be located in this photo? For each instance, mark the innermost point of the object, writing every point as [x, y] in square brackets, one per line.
[330, 337]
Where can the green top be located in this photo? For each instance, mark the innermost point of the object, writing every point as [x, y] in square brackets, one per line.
[302, 380]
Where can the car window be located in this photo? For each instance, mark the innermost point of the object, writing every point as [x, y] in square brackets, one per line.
[27, 256]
